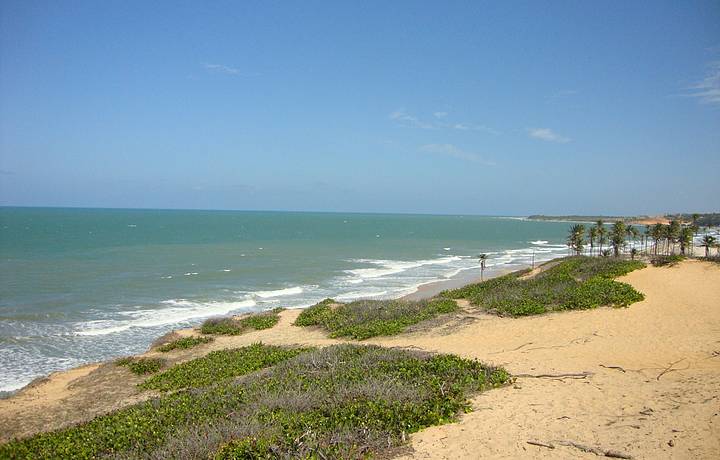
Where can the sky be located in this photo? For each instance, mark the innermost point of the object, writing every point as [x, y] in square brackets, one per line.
[499, 108]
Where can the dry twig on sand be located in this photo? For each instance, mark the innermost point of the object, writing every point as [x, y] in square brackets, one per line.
[669, 369]
[541, 444]
[580, 375]
[613, 367]
[582, 447]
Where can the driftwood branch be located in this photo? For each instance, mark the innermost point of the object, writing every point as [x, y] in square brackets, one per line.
[541, 444]
[514, 349]
[578, 375]
[594, 450]
[668, 369]
[614, 367]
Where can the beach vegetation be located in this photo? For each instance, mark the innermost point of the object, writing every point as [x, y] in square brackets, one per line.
[237, 326]
[601, 234]
[577, 282]
[184, 343]
[576, 238]
[708, 242]
[363, 319]
[667, 261]
[343, 401]
[141, 366]
[313, 316]
[219, 365]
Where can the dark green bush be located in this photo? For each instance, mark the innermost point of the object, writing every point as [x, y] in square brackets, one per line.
[344, 401]
[141, 366]
[370, 318]
[184, 343]
[574, 283]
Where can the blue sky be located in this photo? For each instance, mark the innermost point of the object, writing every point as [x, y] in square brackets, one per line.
[435, 107]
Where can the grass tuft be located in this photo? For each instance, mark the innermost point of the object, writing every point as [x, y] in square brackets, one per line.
[237, 326]
[343, 401]
[141, 366]
[363, 319]
[184, 343]
[575, 283]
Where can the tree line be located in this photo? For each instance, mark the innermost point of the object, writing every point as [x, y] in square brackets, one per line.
[660, 239]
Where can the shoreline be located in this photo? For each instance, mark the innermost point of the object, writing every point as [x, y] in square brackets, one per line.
[650, 374]
[422, 292]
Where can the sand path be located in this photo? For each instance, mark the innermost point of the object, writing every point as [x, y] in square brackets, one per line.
[658, 395]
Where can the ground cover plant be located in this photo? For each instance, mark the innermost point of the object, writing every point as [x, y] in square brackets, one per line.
[184, 343]
[667, 261]
[363, 319]
[141, 366]
[219, 365]
[577, 282]
[237, 326]
[343, 401]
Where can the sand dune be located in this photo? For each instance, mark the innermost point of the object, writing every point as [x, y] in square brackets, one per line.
[645, 380]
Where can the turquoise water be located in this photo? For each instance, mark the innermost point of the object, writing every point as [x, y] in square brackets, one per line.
[82, 285]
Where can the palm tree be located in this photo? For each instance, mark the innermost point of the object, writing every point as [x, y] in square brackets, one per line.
[617, 237]
[632, 233]
[576, 238]
[646, 235]
[482, 258]
[601, 233]
[685, 239]
[592, 236]
[695, 228]
[708, 242]
[657, 233]
[695, 216]
[673, 233]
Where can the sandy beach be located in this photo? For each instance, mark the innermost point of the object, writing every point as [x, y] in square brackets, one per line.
[642, 381]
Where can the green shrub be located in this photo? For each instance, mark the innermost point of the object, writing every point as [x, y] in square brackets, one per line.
[578, 282]
[259, 322]
[666, 261]
[184, 343]
[313, 316]
[237, 326]
[222, 326]
[141, 366]
[219, 365]
[363, 319]
[344, 401]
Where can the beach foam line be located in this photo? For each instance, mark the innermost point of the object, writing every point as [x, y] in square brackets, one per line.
[278, 292]
[177, 311]
[392, 267]
[361, 295]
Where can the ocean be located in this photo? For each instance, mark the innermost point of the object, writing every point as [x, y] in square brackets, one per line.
[85, 285]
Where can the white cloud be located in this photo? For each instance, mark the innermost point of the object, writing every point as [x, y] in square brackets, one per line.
[707, 91]
[473, 127]
[547, 134]
[406, 119]
[402, 117]
[222, 69]
[452, 151]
